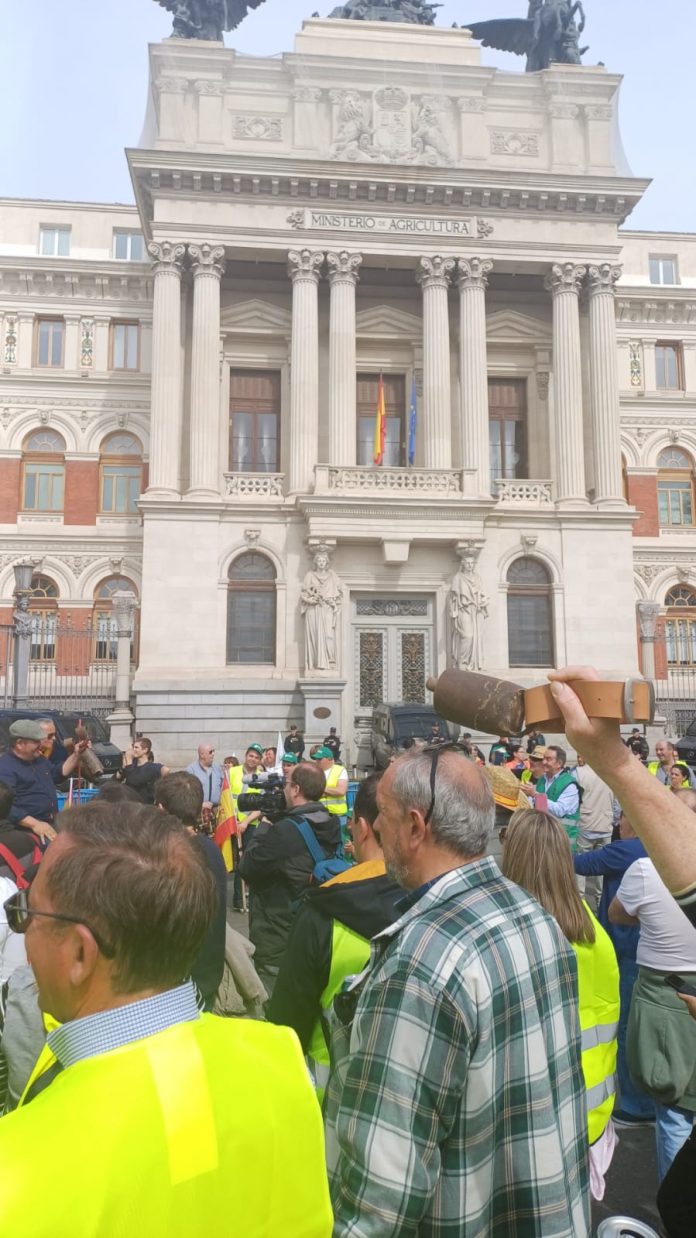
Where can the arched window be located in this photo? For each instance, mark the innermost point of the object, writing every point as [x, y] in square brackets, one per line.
[530, 614]
[104, 620]
[121, 473]
[43, 605]
[251, 610]
[680, 626]
[43, 472]
[675, 488]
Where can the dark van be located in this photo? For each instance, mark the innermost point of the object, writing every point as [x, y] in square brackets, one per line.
[686, 746]
[110, 756]
[392, 724]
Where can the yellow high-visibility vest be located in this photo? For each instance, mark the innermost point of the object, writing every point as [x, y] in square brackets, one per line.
[598, 988]
[207, 1128]
[339, 807]
[237, 787]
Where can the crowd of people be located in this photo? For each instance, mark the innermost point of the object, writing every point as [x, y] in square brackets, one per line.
[434, 1043]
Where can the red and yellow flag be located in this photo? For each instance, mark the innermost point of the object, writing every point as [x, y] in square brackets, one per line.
[226, 824]
[380, 424]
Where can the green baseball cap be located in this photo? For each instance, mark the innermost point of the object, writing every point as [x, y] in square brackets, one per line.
[255, 748]
[323, 754]
[289, 758]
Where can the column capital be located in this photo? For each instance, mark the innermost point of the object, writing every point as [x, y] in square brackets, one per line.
[565, 277]
[648, 615]
[435, 272]
[603, 278]
[344, 267]
[473, 272]
[305, 265]
[207, 260]
[168, 257]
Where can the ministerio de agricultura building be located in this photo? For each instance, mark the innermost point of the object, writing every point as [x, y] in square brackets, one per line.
[190, 388]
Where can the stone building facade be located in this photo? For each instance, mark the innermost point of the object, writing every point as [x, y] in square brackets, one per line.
[376, 210]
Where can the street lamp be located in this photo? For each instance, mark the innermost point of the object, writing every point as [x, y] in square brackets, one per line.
[23, 574]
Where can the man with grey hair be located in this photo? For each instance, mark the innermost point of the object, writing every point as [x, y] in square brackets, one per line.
[456, 1103]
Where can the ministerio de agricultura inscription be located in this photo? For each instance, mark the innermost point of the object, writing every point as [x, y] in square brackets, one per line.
[405, 225]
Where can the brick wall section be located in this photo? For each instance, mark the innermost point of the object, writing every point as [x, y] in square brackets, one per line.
[642, 494]
[10, 472]
[81, 492]
[5, 623]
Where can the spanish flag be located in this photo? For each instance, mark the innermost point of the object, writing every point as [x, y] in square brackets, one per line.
[380, 424]
[226, 824]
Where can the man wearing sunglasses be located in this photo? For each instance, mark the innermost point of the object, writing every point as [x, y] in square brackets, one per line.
[456, 1101]
[139, 1104]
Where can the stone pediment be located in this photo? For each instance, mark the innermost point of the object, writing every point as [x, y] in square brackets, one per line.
[510, 327]
[256, 318]
[385, 322]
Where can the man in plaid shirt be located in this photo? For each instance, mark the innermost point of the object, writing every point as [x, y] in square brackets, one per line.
[457, 1105]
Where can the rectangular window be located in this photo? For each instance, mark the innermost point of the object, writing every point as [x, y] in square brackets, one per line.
[675, 503]
[254, 421]
[50, 338]
[43, 636]
[120, 489]
[43, 487]
[125, 345]
[251, 631]
[680, 640]
[530, 629]
[507, 427]
[129, 246]
[54, 242]
[668, 367]
[105, 637]
[663, 270]
[395, 408]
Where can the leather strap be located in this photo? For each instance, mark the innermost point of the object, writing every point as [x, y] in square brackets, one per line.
[624, 701]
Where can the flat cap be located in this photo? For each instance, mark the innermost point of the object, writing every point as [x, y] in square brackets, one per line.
[26, 728]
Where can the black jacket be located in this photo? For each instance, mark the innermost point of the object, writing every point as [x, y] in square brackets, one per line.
[210, 962]
[278, 868]
[367, 906]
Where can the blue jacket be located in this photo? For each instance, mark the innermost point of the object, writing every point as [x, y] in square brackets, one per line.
[33, 785]
[611, 862]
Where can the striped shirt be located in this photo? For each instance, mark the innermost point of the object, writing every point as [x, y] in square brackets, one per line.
[112, 1029]
[457, 1103]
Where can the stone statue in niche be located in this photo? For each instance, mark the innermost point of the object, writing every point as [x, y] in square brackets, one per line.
[320, 599]
[207, 19]
[468, 610]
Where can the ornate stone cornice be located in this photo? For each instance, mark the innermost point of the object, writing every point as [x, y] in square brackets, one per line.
[305, 264]
[565, 277]
[435, 272]
[168, 257]
[344, 267]
[652, 308]
[603, 278]
[473, 272]
[207, 259]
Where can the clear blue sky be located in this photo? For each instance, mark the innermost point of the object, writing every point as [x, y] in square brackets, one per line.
[74, 78]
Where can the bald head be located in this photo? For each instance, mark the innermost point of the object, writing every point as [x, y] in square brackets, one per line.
[206, 755]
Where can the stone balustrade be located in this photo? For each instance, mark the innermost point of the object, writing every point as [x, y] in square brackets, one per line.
[523, 493]
[442, 483]
[254, 485]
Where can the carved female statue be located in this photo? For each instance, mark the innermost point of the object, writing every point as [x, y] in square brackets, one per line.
[468, 609]
[321, 597]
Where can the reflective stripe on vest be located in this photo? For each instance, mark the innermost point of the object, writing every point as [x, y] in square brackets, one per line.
[349, 954]
[598, 990]
[339, 807]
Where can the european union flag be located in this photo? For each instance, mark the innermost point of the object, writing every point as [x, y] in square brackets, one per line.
[412, 417]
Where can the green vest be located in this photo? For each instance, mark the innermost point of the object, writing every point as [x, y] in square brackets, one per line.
[210, 1127]
[598, 990]
[571, 823]
[350, 953]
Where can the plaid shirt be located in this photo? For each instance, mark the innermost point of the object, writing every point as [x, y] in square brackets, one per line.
[459, 1105]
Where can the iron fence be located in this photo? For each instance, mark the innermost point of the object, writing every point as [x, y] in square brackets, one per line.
[71, 668]
[676, 698]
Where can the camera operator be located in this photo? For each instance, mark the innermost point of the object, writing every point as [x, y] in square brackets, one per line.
[278, 867]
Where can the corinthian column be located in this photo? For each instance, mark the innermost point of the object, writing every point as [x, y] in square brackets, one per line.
[208, 267]
[605, 385]
[343, 278]
[304, 266]
[564, 285]
[473, 366]
[433, 278]
[165, 399]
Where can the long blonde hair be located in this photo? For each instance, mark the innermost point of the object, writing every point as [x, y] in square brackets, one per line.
[537, 856]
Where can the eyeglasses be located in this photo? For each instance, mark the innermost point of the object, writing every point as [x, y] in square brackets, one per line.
[19, 915]
[435, 750]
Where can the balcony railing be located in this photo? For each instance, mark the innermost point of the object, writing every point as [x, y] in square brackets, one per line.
[428, 483]
[254, 485]
[524, 493]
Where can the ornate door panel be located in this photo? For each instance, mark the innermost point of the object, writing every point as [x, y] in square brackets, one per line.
[392, 659]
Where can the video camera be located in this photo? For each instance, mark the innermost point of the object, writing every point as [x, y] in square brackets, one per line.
[266, 797]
